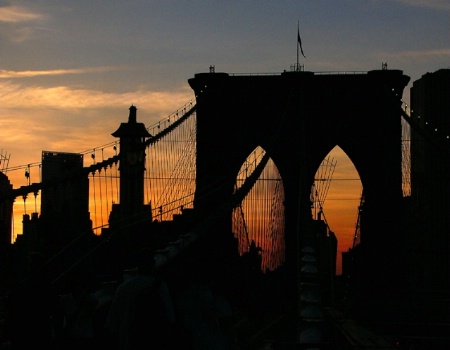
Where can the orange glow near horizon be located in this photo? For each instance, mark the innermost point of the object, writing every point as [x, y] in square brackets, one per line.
[341, 204]
[339, 208]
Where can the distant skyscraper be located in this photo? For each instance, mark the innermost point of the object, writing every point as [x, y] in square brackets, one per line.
[65, 196]
[64, 199]
[430, 177]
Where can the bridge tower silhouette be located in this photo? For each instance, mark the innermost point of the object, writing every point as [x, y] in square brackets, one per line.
[131, 209]
[298, 118]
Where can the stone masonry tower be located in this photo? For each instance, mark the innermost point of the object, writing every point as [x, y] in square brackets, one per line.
[131, 211]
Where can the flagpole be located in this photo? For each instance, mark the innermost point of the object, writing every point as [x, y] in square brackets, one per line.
[298, 33]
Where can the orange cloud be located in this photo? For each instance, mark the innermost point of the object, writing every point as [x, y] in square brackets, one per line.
[16, 14]
[62, 97]
[33, 73]
[66, 119]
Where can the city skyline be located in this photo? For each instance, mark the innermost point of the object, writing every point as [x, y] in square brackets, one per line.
[69, 72]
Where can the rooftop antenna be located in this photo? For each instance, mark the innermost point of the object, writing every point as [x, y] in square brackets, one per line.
[4, 161]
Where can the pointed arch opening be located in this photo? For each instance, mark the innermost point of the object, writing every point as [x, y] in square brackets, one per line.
[337, 193]
[258, 222]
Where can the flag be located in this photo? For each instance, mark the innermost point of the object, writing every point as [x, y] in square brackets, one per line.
[299, 42]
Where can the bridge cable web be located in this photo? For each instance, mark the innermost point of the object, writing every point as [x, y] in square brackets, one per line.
[108, 171]
[278, 204]
[430, 133]
[170, 169]
[276, 228]
[259, 218]
[162, 157]
[406, 154]
[321, 185]
[240, 229]
[163, 143]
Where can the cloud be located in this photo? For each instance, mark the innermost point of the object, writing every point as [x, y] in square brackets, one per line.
[35, 73]
[13, 95]
[17, 14]
[62, 118]
[416, 60]
[432, 4]
[15, 21]
[418, 55]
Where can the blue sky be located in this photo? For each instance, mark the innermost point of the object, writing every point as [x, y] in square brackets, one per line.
[72, 68]
[69, 70]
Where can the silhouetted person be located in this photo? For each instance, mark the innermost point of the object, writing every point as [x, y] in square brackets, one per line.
[142, 312]
[78, 309]
[253, 258]
[206, 317]
[251, 269]
[32, 308]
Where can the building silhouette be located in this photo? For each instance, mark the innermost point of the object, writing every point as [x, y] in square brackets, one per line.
[298, 118]
[6, 207]
[430, 187]
[131, 217]
[64, 207]
[404, 243]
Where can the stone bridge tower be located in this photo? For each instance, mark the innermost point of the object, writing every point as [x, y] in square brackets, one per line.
[298, 118]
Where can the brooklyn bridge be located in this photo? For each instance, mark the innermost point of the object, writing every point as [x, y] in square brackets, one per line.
[225, 190]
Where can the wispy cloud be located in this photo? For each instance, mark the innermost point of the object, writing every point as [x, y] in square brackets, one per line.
[8, 74]
[13, 95]
[422, 54]
[18, 22]
[432, 4]
[17, 14]
[61, 118]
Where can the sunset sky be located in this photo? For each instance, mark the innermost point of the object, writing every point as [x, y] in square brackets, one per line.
[69, 70]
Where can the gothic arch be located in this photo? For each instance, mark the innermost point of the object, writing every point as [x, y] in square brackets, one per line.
[265, 202]
[298, 117]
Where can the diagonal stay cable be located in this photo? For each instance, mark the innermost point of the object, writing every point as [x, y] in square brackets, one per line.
[165, 255]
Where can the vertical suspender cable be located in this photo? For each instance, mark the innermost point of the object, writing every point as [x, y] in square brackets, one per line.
[101, 196]
[95, 199]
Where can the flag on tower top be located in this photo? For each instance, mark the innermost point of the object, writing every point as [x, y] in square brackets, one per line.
[299, 42]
